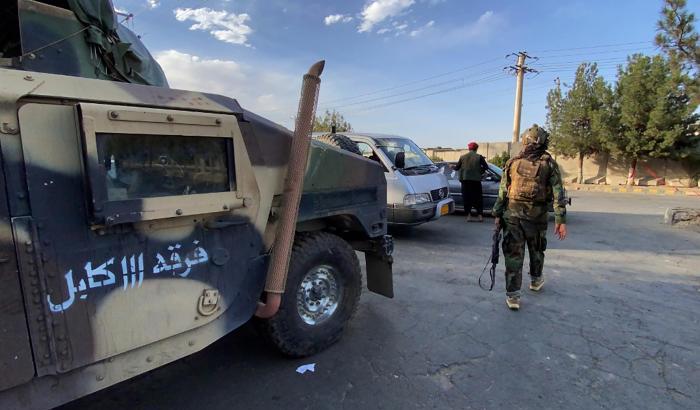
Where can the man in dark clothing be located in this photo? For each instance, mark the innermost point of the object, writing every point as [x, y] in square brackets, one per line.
[531, 182]
[470, 167]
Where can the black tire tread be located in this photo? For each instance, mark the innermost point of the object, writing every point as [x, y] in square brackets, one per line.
[340, 141]
[277, 329]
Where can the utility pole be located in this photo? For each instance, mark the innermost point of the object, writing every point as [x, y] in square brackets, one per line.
[519, 70]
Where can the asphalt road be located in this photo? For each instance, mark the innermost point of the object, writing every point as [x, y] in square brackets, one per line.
[616, 326]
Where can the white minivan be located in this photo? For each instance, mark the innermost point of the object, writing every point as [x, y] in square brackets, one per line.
[417, 191]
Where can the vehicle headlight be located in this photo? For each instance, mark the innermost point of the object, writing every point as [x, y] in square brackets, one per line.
[416, 199]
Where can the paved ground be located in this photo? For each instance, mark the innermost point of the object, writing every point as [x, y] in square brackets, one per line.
[615, 327]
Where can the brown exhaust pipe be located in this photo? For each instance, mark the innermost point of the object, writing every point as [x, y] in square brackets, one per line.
[293, 184]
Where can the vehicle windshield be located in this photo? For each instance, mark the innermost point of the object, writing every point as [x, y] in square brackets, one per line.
[498, 171]
[415, 157]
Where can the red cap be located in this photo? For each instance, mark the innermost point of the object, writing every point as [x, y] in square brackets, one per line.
[472, 146]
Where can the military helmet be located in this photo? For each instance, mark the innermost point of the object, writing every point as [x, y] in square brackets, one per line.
[534, 135]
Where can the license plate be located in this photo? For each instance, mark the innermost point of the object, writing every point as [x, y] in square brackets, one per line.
[445, 209]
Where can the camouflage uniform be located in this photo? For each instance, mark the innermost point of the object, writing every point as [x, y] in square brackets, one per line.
[525, 221]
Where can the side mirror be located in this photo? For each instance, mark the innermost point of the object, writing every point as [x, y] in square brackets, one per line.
[400, 160]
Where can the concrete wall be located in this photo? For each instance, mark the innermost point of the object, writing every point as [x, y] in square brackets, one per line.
[598, 169]
[594, 168]
[487, 149]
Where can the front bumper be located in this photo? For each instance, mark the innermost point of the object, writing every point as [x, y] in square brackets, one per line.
[444, 207]
[418, 214]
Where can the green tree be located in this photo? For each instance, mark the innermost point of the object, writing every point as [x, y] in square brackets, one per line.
[573, 119]
[655, 113]
[554, 106]
[677, 38]
[325, 122]
[676, 35]
[500, 159]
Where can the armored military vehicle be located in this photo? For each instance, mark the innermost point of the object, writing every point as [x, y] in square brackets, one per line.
[142, 223]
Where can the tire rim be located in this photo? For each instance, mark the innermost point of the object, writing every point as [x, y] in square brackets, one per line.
[318, 295]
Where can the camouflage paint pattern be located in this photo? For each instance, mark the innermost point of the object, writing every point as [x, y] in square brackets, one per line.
[114, 288]
[525, 223]
[516, 234]
[83, 50]
[531, 211]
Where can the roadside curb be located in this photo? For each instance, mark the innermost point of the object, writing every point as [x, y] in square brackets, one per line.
[668, 191]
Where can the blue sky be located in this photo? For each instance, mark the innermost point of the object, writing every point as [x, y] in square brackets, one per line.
[384, 57]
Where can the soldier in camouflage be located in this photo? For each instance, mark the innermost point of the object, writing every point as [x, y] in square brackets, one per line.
[531, 184]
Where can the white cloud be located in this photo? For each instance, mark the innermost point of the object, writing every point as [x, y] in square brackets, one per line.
[377, 11]
[480, 30]
[383, 30]
[268, 93]
[153, 3]
[484, 25]
[224, 26]
[336, 18]
[417, 32]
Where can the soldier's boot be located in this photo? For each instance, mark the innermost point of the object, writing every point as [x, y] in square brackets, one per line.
[536, 283]
[513, 302]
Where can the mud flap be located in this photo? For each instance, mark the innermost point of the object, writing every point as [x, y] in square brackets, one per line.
[379, 263]
[380, 278]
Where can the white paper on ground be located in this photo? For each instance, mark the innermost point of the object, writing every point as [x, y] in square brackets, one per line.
[311, 367]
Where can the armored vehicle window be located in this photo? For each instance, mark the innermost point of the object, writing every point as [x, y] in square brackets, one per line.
[148, 166]
[10, 45]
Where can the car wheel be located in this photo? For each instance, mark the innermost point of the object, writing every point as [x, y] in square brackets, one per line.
[323, 289]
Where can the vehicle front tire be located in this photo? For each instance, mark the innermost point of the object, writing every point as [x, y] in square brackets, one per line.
[323, 289]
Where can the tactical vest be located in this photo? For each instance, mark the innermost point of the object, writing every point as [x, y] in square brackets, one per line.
[528, 180]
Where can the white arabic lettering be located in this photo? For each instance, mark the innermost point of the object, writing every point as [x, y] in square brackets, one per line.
[174, 262]
[100, 271]
[72, 290]
[132, 269]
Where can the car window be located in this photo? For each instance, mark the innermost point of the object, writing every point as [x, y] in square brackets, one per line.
[448, 170]
[368, 152]
[490, 175]
[414, 156]
[365, 149]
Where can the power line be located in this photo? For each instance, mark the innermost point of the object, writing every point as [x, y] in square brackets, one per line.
[329, 103]
[460, 79]
[326, 103]
[551, 65]
[599, 60]
[573, 67]
[602, 52]
[443, 91]
[592, 47]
